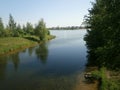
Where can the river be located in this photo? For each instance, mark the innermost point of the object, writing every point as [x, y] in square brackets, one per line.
[54, 65]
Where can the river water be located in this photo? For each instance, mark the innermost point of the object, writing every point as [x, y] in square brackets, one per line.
[54, 65]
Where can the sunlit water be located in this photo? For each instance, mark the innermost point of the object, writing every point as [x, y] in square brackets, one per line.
[51, 66]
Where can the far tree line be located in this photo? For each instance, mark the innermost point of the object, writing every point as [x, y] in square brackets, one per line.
[67, 28]
[12, 29]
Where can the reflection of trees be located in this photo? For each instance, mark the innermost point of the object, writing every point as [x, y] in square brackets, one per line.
[3, 64]
[15, 59]
[4, 61]
[24, 50]
[30, 50]
[42, 52]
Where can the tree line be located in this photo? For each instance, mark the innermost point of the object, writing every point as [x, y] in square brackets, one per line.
[66, 28]
[16, 30]
[103, 37]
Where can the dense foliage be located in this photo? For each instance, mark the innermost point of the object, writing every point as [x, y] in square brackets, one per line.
[16, 30]
[111, 81]
[41, 30]
[1, 28]
[103, 37]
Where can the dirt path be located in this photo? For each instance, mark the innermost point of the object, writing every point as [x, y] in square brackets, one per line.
[85, 85]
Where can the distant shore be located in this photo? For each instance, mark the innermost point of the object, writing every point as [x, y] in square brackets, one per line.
[70, 29]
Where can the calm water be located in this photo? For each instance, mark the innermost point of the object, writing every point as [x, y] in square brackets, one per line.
[50, 66]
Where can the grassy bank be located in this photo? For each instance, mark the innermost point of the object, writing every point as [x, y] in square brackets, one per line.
[49, 37]
[109, 80]
[12, 44]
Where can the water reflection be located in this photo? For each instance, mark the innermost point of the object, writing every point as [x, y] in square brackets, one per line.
[3, 65]
[48, 66]
[42, 52]
[30, 50]
[14, 58]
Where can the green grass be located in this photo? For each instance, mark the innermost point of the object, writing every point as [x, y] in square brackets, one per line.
[49, 37]
[33, 38]
[107, 81]
[10, 44]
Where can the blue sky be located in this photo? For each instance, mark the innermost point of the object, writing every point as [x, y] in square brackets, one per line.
[54, 12]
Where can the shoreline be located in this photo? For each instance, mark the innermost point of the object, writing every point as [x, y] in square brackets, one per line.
[15, 50]
[22, 46]
[83, 84]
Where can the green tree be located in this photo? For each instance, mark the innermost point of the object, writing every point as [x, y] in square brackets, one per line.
[19, 30]
[12, 25]
[7, 32]
[103, 38]
[1, 28]
[29, 28]
[41, 30]
[24, 29]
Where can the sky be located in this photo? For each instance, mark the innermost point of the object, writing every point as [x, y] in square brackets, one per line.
[54, 12]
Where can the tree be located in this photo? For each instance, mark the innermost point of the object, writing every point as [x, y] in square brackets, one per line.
[24, 29]
[104, 36]
[41, 30]
[1, 28]
[29, 28]
[12, 25]
[19, 30]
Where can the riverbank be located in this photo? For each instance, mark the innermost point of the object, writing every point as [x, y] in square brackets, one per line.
[109, 79]
[9, 45]
[104, 79]
[83, 84]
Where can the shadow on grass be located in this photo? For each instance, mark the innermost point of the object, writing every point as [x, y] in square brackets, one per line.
[32, 39]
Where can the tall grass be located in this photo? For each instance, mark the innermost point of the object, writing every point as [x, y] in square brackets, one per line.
[9, 44]
[105, 82]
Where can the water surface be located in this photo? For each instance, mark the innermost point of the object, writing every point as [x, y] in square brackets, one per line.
[50, 66]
